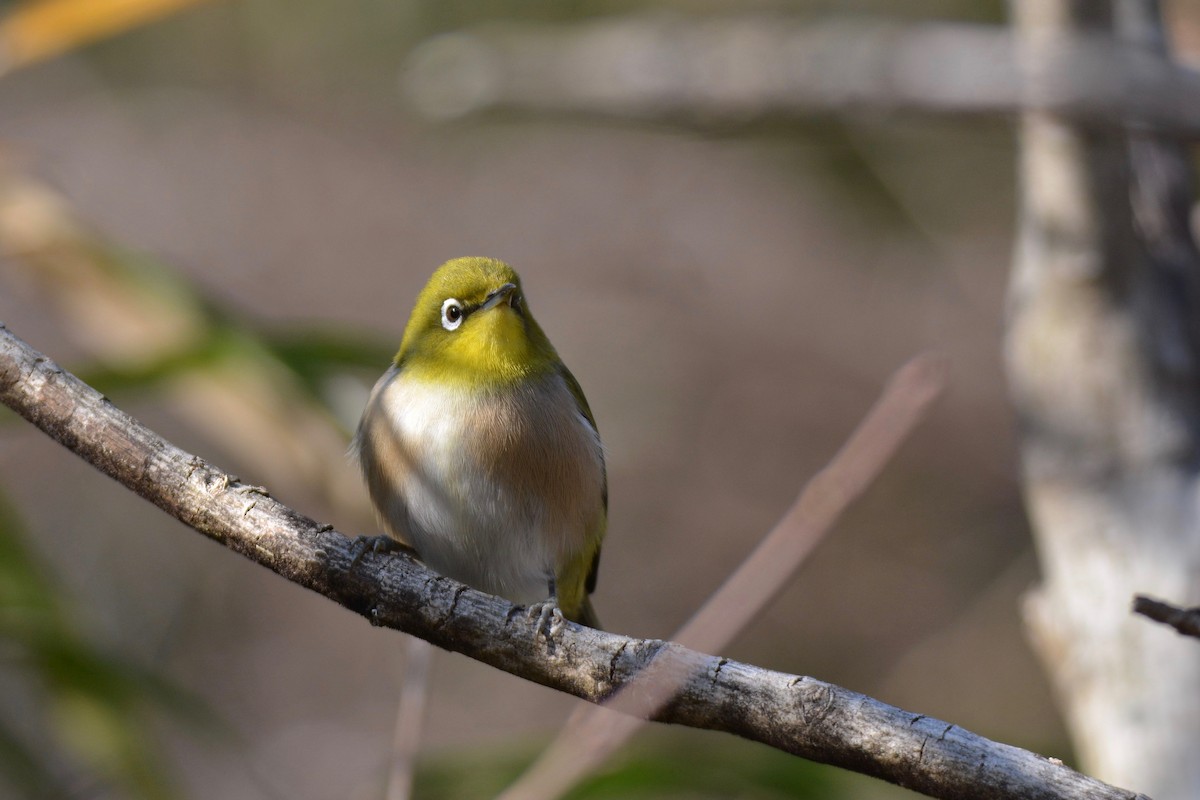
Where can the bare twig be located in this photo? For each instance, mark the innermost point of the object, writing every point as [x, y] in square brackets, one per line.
[799, 715]
[743, 69]
[410, 719]
[1184, 620]
[594, 733]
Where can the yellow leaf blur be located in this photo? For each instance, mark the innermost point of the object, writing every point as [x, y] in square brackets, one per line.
[41, 29]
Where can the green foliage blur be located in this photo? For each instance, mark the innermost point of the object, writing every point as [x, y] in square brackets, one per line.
[86, 716]
[689, 765]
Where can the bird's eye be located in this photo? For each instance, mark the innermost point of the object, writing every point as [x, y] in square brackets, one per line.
[452, 314]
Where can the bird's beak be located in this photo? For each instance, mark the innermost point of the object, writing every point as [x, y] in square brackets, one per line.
[498, 296]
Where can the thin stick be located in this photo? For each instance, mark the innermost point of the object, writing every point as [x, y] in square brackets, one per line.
[410, 718]
[593, 733]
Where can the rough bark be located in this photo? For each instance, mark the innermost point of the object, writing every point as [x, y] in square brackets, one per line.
[1102, 350]
[796, 714]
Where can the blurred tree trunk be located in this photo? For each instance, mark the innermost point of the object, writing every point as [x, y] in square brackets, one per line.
[1103, 347]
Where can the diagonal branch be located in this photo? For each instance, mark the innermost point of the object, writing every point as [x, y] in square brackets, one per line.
[594, 733]
[797, 714]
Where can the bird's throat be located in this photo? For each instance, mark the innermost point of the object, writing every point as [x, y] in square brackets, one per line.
[494, 349]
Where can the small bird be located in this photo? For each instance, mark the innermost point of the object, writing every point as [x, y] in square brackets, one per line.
[479, 449]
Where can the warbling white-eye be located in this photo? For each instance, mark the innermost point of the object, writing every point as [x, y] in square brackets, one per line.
[479, 449]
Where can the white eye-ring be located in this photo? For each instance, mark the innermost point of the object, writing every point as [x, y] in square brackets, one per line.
[452, 314]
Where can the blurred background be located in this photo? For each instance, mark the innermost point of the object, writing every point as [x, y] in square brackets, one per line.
[222, 220]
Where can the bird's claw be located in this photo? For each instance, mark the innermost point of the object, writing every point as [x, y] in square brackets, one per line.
[549, 616]
[374, 544]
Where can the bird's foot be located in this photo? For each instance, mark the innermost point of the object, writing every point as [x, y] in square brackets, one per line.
[376, 544]
[550, 619]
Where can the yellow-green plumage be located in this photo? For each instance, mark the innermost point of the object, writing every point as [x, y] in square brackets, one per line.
[479, 449]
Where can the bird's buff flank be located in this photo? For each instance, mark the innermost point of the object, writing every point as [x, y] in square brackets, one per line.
[479, 449]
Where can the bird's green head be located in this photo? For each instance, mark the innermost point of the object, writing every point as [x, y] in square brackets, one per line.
[471, 326]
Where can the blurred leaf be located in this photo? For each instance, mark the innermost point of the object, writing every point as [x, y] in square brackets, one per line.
[710, 766]
[147, 326]
[118, 379]
[39, 29]
[314, 355]
[206, 333]
[667, 765]
[96, 707]
[28, 602]
[22, 767]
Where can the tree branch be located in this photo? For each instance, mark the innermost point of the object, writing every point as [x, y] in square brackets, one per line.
[797, 714]
[735, 70]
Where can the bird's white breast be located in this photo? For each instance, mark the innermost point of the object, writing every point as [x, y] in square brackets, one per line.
[494, 488]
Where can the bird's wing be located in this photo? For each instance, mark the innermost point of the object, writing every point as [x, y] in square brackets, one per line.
[586, 411]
